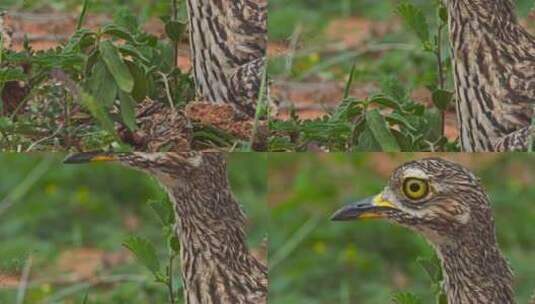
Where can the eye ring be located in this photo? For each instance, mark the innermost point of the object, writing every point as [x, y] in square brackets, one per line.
[415, 188]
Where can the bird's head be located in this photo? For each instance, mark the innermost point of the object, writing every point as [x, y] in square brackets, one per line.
[435, 197]
[171, 169]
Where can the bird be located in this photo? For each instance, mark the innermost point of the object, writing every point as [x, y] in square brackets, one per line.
[493, 64]
[159, 128]
[216, 264]
[228, 41]
[446, 204]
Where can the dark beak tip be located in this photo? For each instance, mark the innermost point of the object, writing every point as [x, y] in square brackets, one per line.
[336, 218]
[341, 215]
[72, 159]
[79, 158]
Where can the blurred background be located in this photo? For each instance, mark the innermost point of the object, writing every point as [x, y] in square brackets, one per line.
[314, 44]
[72, 219]
[315, 261]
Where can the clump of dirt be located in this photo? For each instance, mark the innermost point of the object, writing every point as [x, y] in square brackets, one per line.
[221, 116]
[85, 263]
[9, 280]
[13, 93]
[354, 31]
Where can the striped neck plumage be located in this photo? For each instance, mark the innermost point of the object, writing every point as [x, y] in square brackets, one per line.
[476, 273]
[492, 59]
[228, 41]
[215, 261]
[474, 269]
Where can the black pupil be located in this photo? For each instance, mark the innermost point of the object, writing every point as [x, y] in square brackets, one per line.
[414, 187]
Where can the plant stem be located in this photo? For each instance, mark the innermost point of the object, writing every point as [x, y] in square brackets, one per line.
[170, 278]
[174, 17]
[440, 73]
[81, 18]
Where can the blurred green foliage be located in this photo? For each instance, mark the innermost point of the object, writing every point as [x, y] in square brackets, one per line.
[144, 8]
[48, 208]
[315, 261]
[395, 53]
[365, 44]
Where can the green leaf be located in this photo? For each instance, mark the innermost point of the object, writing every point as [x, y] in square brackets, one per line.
[11, 74]
[164, 210]
[367, 141]
[98, 111]
[404, 140]
[385, 101]
[141, 82]
[405, 298]
[442, 299]
[394, 88]
[5, 122]
[116, 66]
[75, 40]
[431, 265]
[129, 50]
[397, 118]
[415, 20]
[145, 253]
[347, 110]
[92, 59]
[102, 85]
[349, 81]
[128, 113]
[441, 98]
[118, 32]
[125, 17]
[443, 14]
[174, 30]
[433, 126]
[381, 133]
[174, 244]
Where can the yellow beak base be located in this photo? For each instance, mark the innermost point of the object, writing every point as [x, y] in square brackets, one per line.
[86, 157]
[368, 208]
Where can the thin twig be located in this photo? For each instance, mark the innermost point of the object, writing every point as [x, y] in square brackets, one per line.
[292, 49]
[23, 285]
[34, 144]
[293, 242]
[167, 90]
[260, 106]
[22, 188]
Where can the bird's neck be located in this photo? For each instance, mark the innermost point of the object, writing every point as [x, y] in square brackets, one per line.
[216, 264]
[486, 13]
[486, 40]
[475, 272]
[224, 35]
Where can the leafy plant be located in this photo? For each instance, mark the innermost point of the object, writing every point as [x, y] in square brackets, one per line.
[405, 298]
[146, 254]
[386, 121]
[107, 70]
[416, 22]
[432, 267]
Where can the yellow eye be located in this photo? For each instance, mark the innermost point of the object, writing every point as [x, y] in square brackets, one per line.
[415, 188]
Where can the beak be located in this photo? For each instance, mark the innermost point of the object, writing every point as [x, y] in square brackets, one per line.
[86, 157]
[370, 207]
